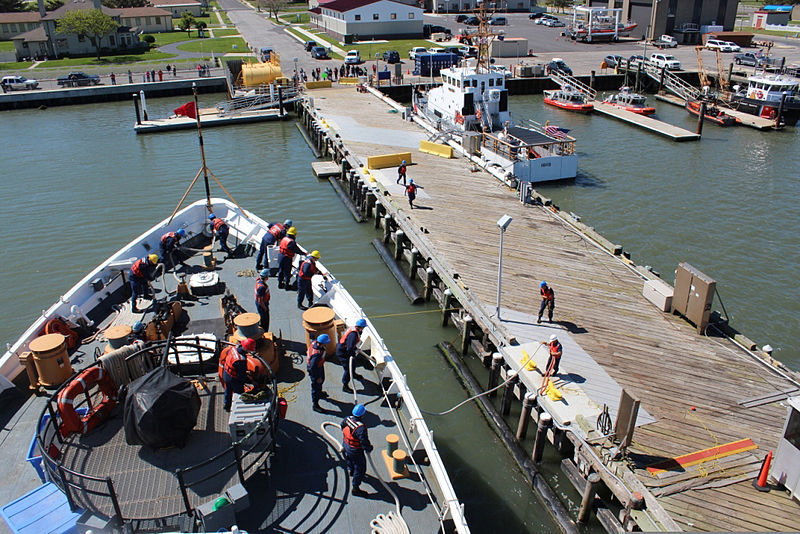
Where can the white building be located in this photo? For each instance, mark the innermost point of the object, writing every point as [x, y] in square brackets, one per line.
[356, 20]
[147, 19]
[179, 7]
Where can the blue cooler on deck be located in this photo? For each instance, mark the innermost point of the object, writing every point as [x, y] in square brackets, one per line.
[44, 509]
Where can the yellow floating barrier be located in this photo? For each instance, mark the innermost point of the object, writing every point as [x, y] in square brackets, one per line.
[318, 85]
[388, 160]
[437, 149]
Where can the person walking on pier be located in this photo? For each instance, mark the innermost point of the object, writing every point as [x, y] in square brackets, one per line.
[286, 251]
[316, 369]
[234, 370]
[130, 76]
[548, 301]
[346, 351]
[411, 192]
[262, 299]
[142, 273]
[355, 441]
[305, 273]
[170, 242]
[401, 173]
[555, 355]
[113, 79]
[220, 229]
[275, 232]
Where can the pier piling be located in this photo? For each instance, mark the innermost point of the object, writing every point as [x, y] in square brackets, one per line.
[589, 492]
[528, 402]
[494, 373]
[545, 421]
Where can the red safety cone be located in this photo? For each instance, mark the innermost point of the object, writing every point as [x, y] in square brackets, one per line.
[761, 482]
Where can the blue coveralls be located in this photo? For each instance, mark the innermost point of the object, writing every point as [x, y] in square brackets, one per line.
[345, 350]
[316, 370]
[285, 262]
[221, 230]
[139, 283]
[355, 442]
[169, 243]
[307, 269]
[548, 302]
[262, 303]
[234, 374]
[269, 239]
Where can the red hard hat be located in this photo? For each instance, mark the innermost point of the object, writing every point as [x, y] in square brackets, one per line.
[249, 344]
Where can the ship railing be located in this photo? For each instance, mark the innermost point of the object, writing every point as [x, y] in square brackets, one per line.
[259, 100]
[514, 149]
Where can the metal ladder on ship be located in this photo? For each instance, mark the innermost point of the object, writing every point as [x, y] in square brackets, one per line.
[563, 79]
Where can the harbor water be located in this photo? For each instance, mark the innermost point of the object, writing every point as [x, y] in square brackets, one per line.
[79, 184]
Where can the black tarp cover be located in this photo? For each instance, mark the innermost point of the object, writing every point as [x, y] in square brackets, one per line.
[160, 410]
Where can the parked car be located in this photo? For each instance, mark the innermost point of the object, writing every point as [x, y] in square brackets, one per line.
[501, 69]
[636, 60]
[435, 50]
[309, 45]
[74, 79]
[665, 60]
[538, 15]
[558, 64]
[468, 51]
[748, 58]
[734, 47]
[665, 41]
[391, 56]
[461, 18]
[472, 21]
[553, 23]
[319, 52]
[430, 29]
[17, 83]
[414, 52]
[613, 60]
[498, 21]
[716, 44]
[453, 50]
[352, 57]
[544, 17]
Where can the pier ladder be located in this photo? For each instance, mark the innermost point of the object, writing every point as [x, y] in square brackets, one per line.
[563, 79]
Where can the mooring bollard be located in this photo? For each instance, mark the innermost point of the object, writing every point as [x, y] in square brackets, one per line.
[398, 244]
[387, 228]
[545, 421]
[525, 417]
[370, 204]
[429, 282]
[494, 373]
[466, 335]
[412, 270]
[508, 393]
[447, 299]
[589, 491]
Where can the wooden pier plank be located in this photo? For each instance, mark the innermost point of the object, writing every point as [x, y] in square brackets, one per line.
[657, 357]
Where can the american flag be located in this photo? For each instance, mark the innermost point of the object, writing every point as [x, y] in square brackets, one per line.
[556, 131]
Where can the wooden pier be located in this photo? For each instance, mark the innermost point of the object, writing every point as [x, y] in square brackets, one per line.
[696, 391]
[759, 123]
[648, 123]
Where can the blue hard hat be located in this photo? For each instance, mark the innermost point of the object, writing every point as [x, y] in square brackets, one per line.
[359, 410]
[181, 232]
[212, 216]
[543, 283]
[361, 323]
[324, 339]
[287, 223]
[138, 326]
[264, 273]
[411, 181]
[404, 162]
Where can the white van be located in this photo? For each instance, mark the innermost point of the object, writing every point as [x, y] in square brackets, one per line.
[716, 44]
[352, 57]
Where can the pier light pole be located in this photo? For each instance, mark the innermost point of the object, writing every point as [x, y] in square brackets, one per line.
[502, 223]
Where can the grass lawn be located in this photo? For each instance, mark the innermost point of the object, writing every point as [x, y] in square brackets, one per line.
[17, 66]
[368, 51]
[218, 46]
[225, 32]
[171, 37]
[791, 33]
[292, 18]
[225, 18]
[105, 60]
[6, 46]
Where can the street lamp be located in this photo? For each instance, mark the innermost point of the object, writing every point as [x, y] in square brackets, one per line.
[502, 223]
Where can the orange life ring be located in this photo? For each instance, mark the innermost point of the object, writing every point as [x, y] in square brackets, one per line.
[478, 115]
[255, 368]
[459, 118]
[56, 325]
[759, 94]
[70, 421]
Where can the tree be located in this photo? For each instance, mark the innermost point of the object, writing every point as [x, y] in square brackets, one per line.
[52, 5]
[186, 22]
[275, 6]
[119, 4]
[560, 4]
[200, 25]
[7, 6]
[91, 23]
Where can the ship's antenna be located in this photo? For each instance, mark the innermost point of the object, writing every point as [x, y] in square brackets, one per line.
[484, 37]
[204, 170]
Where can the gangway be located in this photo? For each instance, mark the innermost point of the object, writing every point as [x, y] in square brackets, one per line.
[563, 79]
[259, 100]
[672, 83]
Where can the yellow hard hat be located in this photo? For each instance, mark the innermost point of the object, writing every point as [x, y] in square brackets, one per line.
[153, 258]
[291, 231]
[315, 254]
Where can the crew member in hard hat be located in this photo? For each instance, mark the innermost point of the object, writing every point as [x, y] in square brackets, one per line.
[555, 355]
[411, 192]
[304, 274]
[548, 301]
[316, 369]
[401, 173]
[221, 230]
[234, 370]
[286, 251]
[275, 232]
[262, 299]
[346, 351]
[170, 243]
[138, 331]
[355, 442]
[142, 273]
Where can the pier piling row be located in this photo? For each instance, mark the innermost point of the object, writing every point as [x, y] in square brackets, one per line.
[447, 251]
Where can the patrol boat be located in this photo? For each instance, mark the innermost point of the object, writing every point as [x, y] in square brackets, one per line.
[474, 98]
[129, 432]
[769, 96]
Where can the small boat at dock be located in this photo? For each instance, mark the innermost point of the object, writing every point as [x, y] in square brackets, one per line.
[568, 98]
[713, 114]
[630, 101]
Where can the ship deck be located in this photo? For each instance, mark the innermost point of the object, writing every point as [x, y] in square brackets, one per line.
[691, 384]
[307, 488]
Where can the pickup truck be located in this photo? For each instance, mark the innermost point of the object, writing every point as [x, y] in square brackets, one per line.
[748, 58]
[665, 41]
[75, 79]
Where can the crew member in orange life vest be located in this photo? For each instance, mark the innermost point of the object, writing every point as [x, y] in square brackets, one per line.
[411, 192]
[355, 442]
[262, 299]
[401, 173]
[286, 251]
[304, 274]
[234, 373]
[346, 351]
[548, 301]
[170, 243]
[142, 273]
[275, 232]
[221, 230]
[555, 354]
[315, 365]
